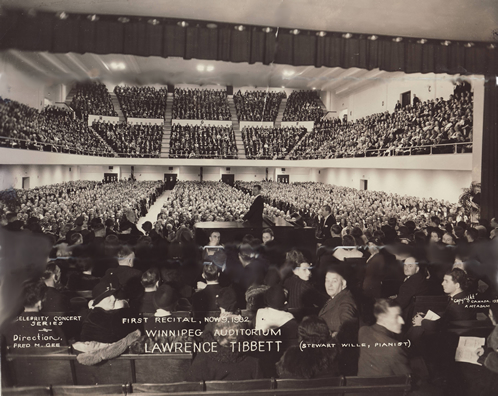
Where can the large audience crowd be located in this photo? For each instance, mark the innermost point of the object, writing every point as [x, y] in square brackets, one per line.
[303, 106]
[356, 288]
[92, 98]
[412, 129]
[202, 141]
[200, 104]
[57, 207]
[142, 102]
[53, 129]
[131, 140]
[270, 143]
[258, 105]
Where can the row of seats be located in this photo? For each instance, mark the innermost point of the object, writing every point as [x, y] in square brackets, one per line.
[400, 385]
[303, 106]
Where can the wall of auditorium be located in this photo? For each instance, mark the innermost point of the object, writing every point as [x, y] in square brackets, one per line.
[446, 185]
[19, 84]
[11, 176]
[382, 94]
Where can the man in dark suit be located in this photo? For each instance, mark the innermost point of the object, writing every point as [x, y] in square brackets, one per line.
[415, 284]
[340, 313]
[204, 301]
[255, 214]
[387, 361]
[327, 221]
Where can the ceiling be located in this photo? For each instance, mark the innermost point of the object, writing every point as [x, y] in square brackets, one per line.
[467, 20]
[136, 70]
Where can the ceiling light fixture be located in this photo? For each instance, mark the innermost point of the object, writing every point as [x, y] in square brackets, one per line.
[491, 46]
[153, 22]
[93, 18]
[347, 35]
[182, 24]
[212, 25]
[201, 68]
[373, 37]
[210, 68]
[446, 43]
[321, 33]
[117, 66]
[267, 30]
[289, 73]
[469, 45]
[422, 41]
[398, 39]
[295, 32]
[240, 28]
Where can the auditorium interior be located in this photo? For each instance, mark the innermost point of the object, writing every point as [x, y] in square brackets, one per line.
[135, 141]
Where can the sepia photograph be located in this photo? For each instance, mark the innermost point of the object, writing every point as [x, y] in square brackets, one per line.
[249, 197]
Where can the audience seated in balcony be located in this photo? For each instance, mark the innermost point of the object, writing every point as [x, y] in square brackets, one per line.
[142, 102]
[270, 143]
[303, 106]
[202, 141]
[131, 140]
[412, 129]
[200, 104]
[54, 129]
[92, 98]
[258, 105]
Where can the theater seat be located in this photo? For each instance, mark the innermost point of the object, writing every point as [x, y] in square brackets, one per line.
[27, 391]
[308, 383]
[111, 389]
[396, 385]
[161, 368]
[168, 388]
[232, 386]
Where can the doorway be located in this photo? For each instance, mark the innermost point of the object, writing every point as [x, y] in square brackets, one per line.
[110, 177]
[283, 179]
[363, 184]
[228, 179]
[406, 98]
[170, 180]
[25, 183]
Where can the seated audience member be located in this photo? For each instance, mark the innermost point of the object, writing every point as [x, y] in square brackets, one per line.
[455, 286]
[334, 239]
[310, 362]
[341, 315]
[302, 293]
[33, 295]
[205, 300]
[374, 270]
[214, 241]
[267, 236]
[228, 363]
[348, 249]
[104, 322]
[129, 277]
[415, 284]
[150, 282]
[160, 331]
[389, 361]
[55, 300]
[82, 279]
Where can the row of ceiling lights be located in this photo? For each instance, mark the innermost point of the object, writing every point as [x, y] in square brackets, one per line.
[153, 21]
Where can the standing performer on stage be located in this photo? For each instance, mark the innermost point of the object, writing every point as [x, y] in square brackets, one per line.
[255, 214]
